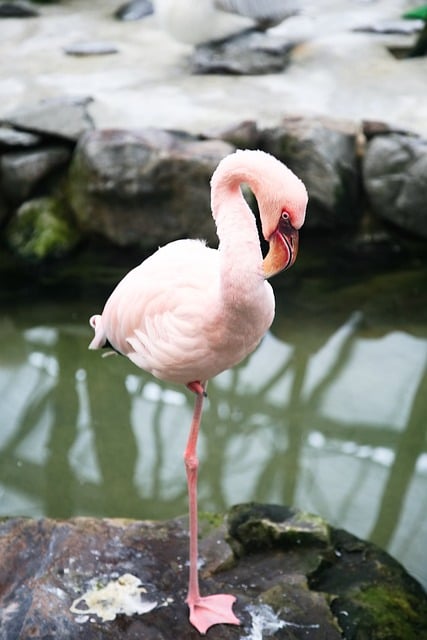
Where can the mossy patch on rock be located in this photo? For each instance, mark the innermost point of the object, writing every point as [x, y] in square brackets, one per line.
[372, 596]
[41, 230]
[259, 527]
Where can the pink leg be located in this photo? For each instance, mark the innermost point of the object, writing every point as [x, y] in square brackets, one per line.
[215, 609]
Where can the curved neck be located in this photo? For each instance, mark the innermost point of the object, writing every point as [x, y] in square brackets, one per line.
[239, 245]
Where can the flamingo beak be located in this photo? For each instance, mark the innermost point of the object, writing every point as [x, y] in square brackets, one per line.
[283, 248]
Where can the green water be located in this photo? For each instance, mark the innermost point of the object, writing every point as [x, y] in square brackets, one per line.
[328, 415]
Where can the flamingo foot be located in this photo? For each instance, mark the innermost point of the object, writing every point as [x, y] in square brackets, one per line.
[210, 610]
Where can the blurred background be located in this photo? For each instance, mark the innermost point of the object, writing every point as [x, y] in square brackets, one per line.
[328, 415]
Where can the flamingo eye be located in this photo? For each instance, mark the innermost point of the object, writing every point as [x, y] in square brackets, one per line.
[285, 215]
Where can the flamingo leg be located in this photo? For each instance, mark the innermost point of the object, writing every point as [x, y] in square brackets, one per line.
[215, 609]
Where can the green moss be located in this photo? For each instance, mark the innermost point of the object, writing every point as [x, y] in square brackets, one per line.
[214, 520]
[391, 606]
[385, 612]
[41, 230]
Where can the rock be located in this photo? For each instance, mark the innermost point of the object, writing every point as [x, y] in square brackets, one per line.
[144, 188]
[17, 9]
[59, 117]
[392, 26]
[372, 128]
[95, 48]
[11, 138]
[22, 171]
[248, 53]
[244, 135]
[134, 10]
[40, 230]
[291, 573]
[394, 171]
[323, 153]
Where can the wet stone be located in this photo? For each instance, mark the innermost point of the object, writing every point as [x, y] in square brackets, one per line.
[293, 576]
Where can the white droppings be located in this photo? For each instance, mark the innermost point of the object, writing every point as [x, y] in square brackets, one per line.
[121, 596]
[265, 620]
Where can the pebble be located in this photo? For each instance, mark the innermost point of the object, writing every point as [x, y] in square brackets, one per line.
[134, 10]
[91, 49]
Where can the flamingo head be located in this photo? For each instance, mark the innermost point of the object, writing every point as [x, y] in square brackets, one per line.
[282, 215]
[281, 197]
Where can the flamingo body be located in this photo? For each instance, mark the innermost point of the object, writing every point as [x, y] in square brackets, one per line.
[169, 316]
[189, 312]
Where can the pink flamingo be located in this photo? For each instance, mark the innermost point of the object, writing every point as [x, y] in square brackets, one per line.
[189, 312]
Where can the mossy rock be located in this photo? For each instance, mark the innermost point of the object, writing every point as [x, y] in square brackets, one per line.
[294, 576]
[41, 229]
[369, 593]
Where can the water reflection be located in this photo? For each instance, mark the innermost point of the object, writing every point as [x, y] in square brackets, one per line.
[331, 421]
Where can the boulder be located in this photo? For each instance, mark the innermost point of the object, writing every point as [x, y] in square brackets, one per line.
[22, 171]
[323, 153]
[394, 172]
[144, 187]
[64, 117]
[293, 576]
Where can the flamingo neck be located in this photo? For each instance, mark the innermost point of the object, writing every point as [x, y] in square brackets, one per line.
[239, 245]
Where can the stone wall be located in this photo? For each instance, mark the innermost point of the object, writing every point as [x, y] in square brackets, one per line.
[62, 181]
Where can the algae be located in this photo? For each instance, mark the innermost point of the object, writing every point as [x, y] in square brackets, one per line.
[381, 611]
[42, 230]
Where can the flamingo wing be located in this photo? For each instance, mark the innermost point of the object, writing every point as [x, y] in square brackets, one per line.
[163, 314]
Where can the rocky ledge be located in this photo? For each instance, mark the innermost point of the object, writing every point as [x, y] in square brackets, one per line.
[63, 182]
[294, 577]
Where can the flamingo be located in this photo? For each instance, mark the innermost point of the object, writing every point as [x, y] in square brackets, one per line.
[209, 20]
[189, 312]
